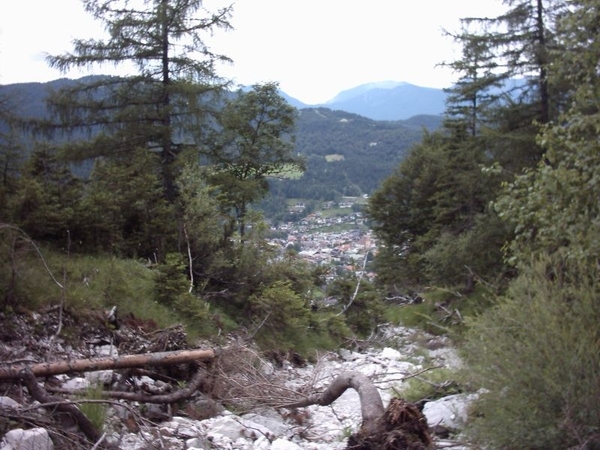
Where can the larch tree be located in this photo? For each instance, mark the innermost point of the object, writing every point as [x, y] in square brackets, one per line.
[163, 100]
[504, 79]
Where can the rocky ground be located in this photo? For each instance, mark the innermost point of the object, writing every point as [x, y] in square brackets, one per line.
[239, 404]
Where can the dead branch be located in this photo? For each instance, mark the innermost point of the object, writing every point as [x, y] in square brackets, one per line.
[190, 259]
[370, 401]
[399, 427]
[357, 286]
[122, 362]
[27, 239]
[38, 393]
[143, 397]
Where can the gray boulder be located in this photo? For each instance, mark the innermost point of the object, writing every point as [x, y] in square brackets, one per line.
[32, 439]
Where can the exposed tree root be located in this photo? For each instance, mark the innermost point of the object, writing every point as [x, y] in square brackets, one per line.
[401, 427]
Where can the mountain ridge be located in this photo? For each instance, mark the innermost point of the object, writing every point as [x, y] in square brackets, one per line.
[384, 100]
[346, 153]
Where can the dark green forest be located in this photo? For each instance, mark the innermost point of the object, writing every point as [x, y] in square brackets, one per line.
[492, 219]
[366, 150]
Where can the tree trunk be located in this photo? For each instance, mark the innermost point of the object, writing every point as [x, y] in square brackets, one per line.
[399, 427]
[94, 364]
[370, 401]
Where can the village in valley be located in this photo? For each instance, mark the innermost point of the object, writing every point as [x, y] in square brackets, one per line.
[336, 236]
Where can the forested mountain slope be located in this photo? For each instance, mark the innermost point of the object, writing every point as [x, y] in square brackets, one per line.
[346, 154]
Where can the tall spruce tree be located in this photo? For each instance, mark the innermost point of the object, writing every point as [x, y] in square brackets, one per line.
[432, 214]
[546, 325]
[157, 106]
[504, 86]
[556, 205]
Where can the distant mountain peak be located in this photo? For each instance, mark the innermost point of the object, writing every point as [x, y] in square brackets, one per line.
[389, 84]
[361, 89]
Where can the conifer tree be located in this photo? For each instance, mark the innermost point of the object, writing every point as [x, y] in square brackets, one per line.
[162, 42]
[504, 89]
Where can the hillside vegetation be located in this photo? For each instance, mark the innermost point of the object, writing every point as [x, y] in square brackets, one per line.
[494, 219]
[487, 226]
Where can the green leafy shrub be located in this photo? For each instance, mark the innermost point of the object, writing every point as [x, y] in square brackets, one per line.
[536, 353]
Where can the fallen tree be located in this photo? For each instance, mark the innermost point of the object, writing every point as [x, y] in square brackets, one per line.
[242, 385]
[401, 426]
[12, 372]
[27, 374]
[57, 405]
[370, 401]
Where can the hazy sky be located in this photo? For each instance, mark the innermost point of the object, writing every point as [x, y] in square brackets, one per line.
[313, 48]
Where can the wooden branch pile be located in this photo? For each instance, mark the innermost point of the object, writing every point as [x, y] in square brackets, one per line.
[27, 374]
[240, 383]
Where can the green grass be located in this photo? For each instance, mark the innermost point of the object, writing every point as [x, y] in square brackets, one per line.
[89, 283]
[96, 412]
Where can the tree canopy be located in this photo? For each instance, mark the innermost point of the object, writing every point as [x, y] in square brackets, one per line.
[162, 106]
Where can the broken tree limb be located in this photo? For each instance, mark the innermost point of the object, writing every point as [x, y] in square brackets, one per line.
[121, 362]
[193, 386]
[58, 404]
[370, 401]
[401, 426]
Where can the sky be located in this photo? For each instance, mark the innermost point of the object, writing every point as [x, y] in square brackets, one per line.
[314, 49]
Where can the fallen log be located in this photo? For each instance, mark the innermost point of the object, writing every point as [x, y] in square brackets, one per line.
[193, 386]
[95, 364]
[370, 401]
[401, 426]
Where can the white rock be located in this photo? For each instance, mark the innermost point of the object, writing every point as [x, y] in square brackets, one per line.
[390, 353]
[7, 402]
[183, 421]
[450, 412]
[143, 380]
[348, 355]
[371, 369]
[262, 443]
[100, 377]
[273, 422]
[193, 443]
[106, 351]
[284, 444]
[226, 427]
[243, 444]
[32, 439]
[77, 384]
[267, 368]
